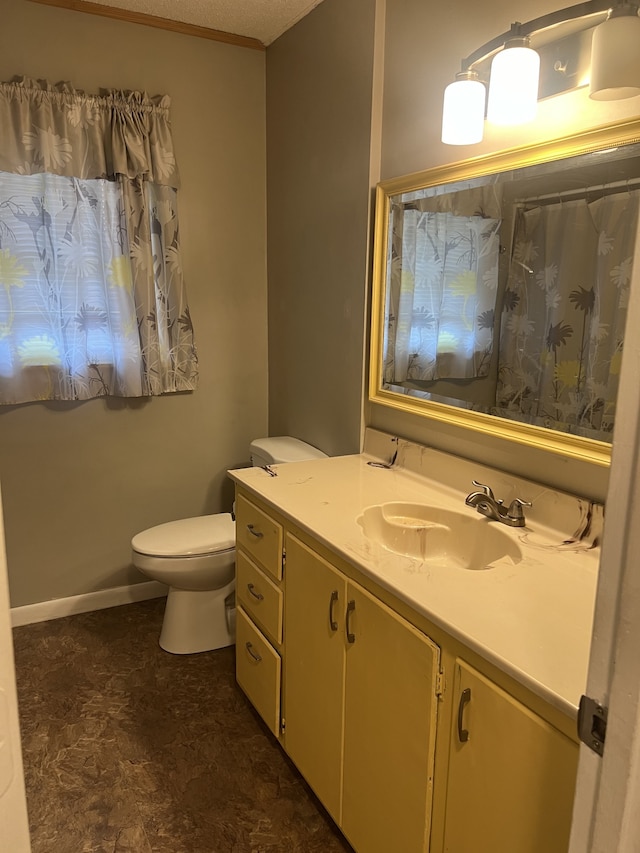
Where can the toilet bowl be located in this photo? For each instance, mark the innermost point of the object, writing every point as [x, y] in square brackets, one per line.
[195, 557]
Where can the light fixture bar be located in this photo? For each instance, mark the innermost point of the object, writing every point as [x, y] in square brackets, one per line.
[537, 27]
[606, 31]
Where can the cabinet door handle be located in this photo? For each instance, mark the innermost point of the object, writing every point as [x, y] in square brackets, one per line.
[465, 698]
[332, 622]
[257, 533]
[255, 594]
[351, 606]
[257, 658]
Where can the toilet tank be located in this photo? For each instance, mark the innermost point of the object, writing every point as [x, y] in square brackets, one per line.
[284, 448]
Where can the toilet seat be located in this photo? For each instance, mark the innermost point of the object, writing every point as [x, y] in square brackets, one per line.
[188, 537]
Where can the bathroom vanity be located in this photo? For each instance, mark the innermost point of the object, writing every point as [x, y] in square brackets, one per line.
[420, 664]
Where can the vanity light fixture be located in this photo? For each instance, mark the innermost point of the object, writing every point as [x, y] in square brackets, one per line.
[598, 40]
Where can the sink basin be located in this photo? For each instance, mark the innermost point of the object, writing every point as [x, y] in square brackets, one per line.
[439, 536]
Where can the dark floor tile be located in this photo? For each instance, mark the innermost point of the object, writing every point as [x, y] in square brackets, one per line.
[129, 749]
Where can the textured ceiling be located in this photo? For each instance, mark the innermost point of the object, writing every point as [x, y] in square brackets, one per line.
[264, 20]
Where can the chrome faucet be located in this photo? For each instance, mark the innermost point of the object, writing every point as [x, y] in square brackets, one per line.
[486, 504]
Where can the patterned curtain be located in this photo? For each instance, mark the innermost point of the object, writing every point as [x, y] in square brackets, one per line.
[441, 299]
[92, 298]
[568, 287]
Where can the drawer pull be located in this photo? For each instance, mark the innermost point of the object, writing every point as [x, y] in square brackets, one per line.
[351, 606]
[257, 658]
[254, 532]
[332, 622]
[465, 698]
[255, 594]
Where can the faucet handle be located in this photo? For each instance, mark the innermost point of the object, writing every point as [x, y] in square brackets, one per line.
[486, 489]
[515, 508]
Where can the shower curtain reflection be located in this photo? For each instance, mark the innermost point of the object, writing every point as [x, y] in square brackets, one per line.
[564, 313]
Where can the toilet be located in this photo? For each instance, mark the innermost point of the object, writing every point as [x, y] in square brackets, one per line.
[195, 557]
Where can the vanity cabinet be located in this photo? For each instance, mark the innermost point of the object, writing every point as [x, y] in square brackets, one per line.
[411, 741]
[360, 705]
[511, 775]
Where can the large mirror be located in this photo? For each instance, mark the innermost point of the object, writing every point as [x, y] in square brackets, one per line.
[501, 287]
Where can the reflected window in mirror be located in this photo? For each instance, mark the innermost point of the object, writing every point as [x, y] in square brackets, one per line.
[442, 294]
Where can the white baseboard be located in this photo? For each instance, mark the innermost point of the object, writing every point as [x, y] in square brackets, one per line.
[58, 607]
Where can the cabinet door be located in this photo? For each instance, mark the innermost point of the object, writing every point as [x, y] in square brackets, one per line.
[314, 670]
[511, 774]
[390, 722]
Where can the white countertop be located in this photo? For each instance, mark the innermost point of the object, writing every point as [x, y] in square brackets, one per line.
[532, 619]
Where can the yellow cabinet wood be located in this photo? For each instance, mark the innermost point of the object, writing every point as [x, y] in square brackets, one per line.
[389, 730]
[260, 536]
[360, 706]
[259, 596]
[315, 596]
[258, 670]
[511, 774]
[363, 720]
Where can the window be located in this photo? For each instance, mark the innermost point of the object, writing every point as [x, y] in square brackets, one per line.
[67, 314]
[92, 300]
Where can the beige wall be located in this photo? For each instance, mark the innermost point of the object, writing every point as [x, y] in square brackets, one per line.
[423, 48]
[319, 91]
[79, 480]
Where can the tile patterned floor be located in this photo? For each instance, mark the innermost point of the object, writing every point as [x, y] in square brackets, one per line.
[128, 749]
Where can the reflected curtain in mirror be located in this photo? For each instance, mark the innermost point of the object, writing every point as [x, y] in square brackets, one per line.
[441, 299]
[564, 313]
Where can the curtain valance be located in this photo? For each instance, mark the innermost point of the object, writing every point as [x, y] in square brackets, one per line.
[63, 131]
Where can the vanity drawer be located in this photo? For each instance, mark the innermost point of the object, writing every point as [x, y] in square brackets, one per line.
[258, 668]
[259, 596]
[260, 536]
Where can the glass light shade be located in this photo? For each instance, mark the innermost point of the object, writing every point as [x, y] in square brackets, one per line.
[463, 112]
[615, 58]
[513, 88]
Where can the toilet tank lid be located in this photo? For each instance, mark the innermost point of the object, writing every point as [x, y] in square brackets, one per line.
[284, 448]
[188, 537]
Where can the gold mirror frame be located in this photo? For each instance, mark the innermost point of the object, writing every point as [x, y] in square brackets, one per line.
[565, 444]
